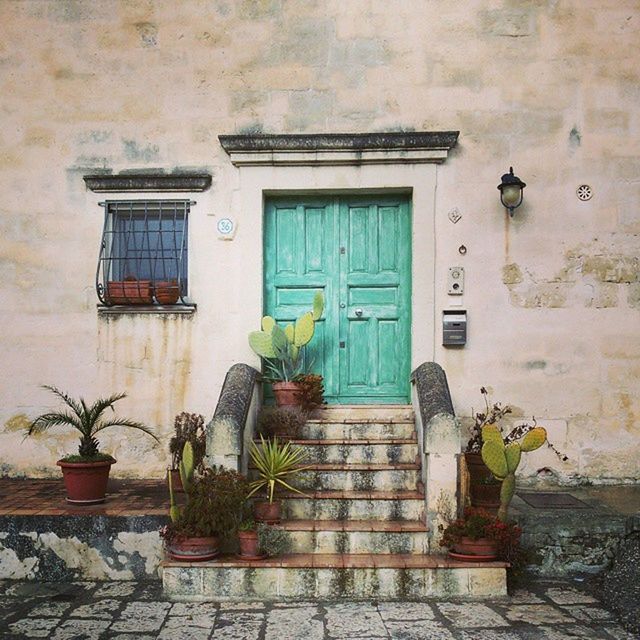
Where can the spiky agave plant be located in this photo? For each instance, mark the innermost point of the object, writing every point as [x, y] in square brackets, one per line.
[88, 420]
[276, 464]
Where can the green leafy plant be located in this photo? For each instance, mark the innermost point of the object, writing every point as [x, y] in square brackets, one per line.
[248, 524]
[478, 523]
[503, 459]
[282, 349]
[88, 420]
[214, 506]
[188, 427]
[310, 391]
[273, 540]
[276, 463]
[281, 421]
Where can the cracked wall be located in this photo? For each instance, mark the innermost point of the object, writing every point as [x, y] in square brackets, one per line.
[553, 294]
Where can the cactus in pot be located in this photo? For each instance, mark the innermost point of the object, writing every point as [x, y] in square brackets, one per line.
[503, 460]
[282, 349]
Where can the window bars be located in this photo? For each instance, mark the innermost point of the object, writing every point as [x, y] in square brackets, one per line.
[143, 254]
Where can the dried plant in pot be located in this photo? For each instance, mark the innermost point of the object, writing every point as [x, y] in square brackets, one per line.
[86, 473]
[276, 465]
[214, 503]
[188, 427]
[310, 391]
[281, 422]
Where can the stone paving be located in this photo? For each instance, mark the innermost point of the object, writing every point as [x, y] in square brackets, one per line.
[552, 610]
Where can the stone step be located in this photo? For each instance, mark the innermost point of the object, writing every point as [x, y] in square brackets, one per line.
[360, 451]
[332, 577]
[357, 536]
[354, 505]
[360, 430]
[365, 413]
[357, 477]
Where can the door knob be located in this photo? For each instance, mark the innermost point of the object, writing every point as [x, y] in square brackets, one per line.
[342, 305]
[359, 312]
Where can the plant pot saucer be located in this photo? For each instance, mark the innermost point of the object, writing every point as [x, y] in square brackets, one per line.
[191, 558]
[469, 557]
[250, 558]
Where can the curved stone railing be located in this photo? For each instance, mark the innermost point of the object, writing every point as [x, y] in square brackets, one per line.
[231, 429]
[439, 441]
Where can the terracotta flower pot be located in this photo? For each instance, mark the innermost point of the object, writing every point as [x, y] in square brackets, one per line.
[249, 545]
[85, 482]
[176, 481]
[482, 547]
[194, 549]
[167, 291]
[483, 493]
[286, 393]
[129, 292]
[265, 511]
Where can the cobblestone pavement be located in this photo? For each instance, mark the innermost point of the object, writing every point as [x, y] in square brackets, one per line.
[553, 610]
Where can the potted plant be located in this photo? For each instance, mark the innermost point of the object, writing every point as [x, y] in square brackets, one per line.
[276, 464]
[281, 422]
[129, 291]
[188, 427]
[282, 350]
[86, 473]
[310, 391]
[483, 488]
[214, 502]
[166, 291]
[248, 541]
[480, 536]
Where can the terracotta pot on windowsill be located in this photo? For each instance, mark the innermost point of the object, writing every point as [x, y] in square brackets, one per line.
[129, 292]
[167, 291]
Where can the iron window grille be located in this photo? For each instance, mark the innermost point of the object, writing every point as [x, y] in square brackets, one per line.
[144, 252]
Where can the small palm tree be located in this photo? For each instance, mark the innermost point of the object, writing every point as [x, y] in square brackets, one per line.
[86, 419]
[276, 463]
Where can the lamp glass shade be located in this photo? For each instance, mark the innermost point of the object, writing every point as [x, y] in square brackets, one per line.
[511, 195]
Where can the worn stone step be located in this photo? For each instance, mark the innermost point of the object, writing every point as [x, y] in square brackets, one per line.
[332, 577]
[360, 451]
[354, 505]
[357, 477]
[365, 413]
[357, 536]
[361, 430]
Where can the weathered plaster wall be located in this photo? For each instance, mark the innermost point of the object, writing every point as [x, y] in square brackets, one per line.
[553, 295]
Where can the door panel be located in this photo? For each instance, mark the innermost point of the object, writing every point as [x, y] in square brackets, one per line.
[356, 249]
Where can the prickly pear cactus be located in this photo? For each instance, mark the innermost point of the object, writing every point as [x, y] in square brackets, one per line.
[503, 461]
[534, 439]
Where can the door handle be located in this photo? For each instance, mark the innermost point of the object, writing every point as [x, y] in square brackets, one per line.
[359, 313]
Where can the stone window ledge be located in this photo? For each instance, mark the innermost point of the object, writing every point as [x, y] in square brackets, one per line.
[145, 182]
[118, 310]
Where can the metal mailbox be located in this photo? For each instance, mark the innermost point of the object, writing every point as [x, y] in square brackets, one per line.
[454, 328]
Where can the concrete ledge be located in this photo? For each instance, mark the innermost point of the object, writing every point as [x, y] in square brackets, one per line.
[104, 183]
[395, 147]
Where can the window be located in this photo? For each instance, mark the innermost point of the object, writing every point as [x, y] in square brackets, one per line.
[144, 253]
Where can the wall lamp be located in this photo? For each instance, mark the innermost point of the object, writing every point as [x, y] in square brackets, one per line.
[511, 191]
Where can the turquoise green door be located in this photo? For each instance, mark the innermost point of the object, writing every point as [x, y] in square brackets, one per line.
[357, 250]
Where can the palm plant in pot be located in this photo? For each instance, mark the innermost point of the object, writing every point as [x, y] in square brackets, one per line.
[213, 507]
[283, 350]
[276, 464]
[86, 473]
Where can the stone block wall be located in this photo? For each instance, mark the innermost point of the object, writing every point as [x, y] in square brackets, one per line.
[553, 294]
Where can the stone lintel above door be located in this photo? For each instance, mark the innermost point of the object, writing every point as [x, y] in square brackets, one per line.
[339, 148]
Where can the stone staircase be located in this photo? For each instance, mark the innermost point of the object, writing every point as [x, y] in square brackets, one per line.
[359, 532]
